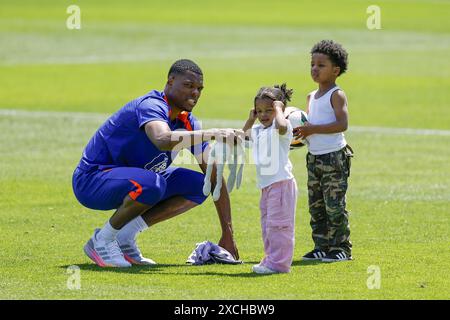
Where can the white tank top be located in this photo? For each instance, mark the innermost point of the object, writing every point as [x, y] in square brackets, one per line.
[321, 112]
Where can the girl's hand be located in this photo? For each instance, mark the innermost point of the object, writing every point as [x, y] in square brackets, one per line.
[252, 116]
[278, 104]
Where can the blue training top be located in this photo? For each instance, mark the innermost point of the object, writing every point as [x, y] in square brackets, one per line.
[122, 142]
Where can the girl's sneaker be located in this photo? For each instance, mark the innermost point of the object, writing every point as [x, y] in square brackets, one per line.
[260, 269]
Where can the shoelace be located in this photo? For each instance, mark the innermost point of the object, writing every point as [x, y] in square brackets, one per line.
[113, 248]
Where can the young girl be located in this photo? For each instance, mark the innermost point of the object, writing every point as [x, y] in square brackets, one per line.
[271, 140]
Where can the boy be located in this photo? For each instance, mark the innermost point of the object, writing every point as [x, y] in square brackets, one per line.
[328, 159]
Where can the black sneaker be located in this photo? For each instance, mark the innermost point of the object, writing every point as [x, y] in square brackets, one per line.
[316, 254]
[336, 256]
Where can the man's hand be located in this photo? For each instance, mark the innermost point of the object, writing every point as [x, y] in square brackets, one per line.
[227, 242]
[239, 134]
[223, 135]
[229, 136]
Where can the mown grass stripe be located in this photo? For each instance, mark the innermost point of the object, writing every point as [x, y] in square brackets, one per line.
[98, 117]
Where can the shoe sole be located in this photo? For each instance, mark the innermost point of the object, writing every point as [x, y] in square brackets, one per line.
[132, 261]
[311, 259]
[265, 272]
[336, 260]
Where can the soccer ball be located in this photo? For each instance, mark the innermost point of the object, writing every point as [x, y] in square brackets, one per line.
[297, 118]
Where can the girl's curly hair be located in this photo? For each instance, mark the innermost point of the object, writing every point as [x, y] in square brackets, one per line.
[277, 92]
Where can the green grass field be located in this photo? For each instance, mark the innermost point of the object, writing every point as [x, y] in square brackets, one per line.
[58, 85]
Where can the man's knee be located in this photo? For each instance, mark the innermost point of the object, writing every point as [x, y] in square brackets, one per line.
[186, 183]
[149, 193]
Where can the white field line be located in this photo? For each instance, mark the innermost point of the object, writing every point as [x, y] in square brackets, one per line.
[220, 123]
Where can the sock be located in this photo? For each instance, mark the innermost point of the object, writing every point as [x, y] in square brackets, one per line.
[107, 233]
[131, 230]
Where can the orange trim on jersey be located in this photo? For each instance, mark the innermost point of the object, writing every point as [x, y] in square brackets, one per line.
[134, 194]
[182, 116]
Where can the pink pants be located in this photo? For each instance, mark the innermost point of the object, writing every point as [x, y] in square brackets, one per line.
[278, 202]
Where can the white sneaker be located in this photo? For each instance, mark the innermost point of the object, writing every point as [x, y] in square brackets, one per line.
[260, 269]
[133, 255]
[105, 254]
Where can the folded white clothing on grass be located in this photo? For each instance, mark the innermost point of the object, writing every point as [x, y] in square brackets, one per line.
[207, 252]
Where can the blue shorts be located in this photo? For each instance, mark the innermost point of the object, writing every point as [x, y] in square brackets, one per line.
[106, 190]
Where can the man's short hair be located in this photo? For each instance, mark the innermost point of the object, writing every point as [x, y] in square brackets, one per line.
[334, 51]
[183, 65]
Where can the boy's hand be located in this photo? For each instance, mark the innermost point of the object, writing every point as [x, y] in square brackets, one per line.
[303, 131]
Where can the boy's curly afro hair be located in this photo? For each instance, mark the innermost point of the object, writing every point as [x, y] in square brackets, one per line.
[334, 51]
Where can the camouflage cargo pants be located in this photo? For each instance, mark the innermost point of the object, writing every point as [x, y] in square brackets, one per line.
[327, 186]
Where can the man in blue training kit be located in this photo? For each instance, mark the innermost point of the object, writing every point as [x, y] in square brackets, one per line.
[126, 166]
